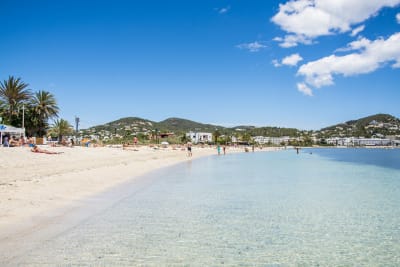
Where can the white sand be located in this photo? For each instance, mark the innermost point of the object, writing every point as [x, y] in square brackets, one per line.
[33, 183]
[38, 189]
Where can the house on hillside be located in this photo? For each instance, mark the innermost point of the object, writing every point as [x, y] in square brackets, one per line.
[199, 137]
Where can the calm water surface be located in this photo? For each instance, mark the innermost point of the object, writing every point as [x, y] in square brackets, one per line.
[329, 208]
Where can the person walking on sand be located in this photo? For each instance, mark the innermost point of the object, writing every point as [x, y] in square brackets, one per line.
[224, 149]
[189, 149]
[219, 149]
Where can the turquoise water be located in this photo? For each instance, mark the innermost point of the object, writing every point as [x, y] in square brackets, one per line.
[318, 208]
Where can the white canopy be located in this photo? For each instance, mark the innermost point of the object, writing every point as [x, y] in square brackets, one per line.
[11, 130]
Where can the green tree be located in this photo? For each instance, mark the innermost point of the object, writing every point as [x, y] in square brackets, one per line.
[216, 135]
[184, 139]
[13, 93]
[246, 137]
[44, 107]
[61, 128]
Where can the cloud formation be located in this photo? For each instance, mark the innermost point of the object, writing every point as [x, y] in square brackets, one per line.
[305, 20]
[292, 60]
[398, 18]
[276, 63]
[252, 47]
[292, 40]
[367, 57]
[302, 87]
[357, 30]
[224, 10]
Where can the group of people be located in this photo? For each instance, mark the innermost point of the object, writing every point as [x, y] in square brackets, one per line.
[16, 142]
[189, 149]
[219, 149]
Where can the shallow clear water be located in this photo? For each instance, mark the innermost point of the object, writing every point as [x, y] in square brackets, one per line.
[250, 209]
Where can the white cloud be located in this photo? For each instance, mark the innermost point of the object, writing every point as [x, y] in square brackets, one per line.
[292, 60]
[276, 63]
[302, 87]
[357, 30]
[252, 47]
[398, 18]
[313, 18]
[367, 57]
[292, 40]
[224, 10]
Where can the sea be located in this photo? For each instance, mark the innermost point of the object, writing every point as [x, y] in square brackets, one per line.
[320, 207]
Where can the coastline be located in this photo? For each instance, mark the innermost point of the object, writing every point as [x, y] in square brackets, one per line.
[42, 195]
[33, 183]
[36, 188]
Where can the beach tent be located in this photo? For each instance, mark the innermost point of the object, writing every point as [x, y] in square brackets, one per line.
[6, 129]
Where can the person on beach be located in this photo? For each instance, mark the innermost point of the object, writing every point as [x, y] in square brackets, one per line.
[14, 142]
[36, 149]
[189, 149]
[224, 149]
[5, 141]
[219, 149]
[135, 140]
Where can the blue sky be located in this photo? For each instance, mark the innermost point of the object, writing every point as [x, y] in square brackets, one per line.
[305, 64]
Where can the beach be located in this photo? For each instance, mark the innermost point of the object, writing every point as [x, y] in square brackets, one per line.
[33, 183]
[35, 186]
[41, 194]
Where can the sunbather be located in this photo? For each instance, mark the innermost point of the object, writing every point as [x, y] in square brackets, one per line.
[36, 149]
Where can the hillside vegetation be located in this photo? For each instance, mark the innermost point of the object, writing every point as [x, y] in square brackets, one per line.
[378, 125]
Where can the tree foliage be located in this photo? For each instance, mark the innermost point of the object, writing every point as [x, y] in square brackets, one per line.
[18, 104]
[61, 128]
[13, 93]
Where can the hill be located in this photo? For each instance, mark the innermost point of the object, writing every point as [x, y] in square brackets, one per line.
[121, 126]
[378, 125]
[178, 125]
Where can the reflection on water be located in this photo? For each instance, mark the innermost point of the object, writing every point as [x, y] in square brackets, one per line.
[257, 209]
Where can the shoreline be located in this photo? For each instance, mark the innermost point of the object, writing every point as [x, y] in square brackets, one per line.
[42, 194]
[35, 182]
[35, 188]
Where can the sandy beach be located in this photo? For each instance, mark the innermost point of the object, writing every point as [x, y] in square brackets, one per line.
[40, 191]
[33, 183]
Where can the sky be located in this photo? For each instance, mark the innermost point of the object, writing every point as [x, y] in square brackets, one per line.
[306, 64]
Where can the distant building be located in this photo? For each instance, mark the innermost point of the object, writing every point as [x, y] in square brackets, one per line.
[272, 140]
[352, 141]
[199, 137]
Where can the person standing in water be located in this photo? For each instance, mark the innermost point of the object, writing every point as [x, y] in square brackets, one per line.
[189, 149]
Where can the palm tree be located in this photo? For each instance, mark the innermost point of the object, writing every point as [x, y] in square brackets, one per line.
[60, 128]
[2, 109]
[13, 92]
[44, 106]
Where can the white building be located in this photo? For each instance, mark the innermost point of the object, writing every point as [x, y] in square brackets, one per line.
[352, 141]
[198, 137]
[372, 142]
[272, 140]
